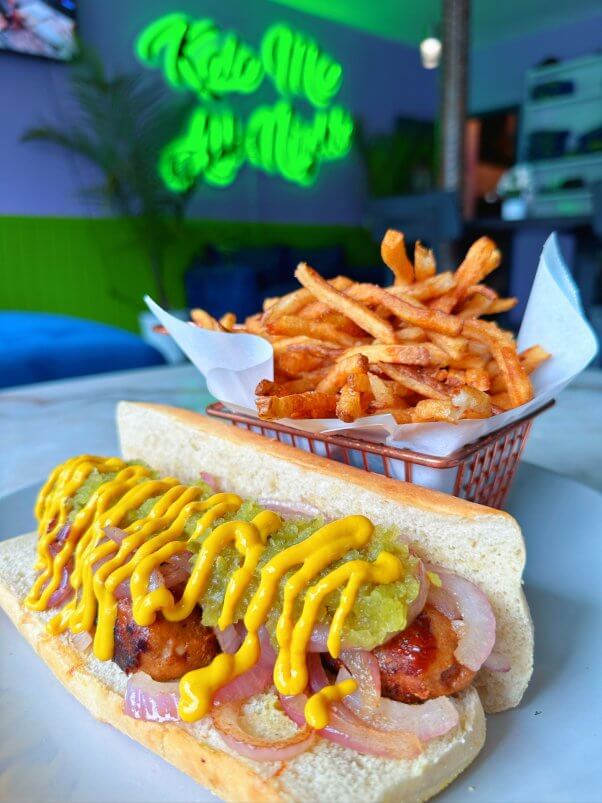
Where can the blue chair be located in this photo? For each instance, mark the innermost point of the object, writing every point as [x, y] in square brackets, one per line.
[38, 347]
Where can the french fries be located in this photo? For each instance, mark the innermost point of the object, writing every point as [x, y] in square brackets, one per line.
[417, 349]
[394, 255]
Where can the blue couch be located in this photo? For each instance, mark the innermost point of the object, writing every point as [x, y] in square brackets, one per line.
[37, 347]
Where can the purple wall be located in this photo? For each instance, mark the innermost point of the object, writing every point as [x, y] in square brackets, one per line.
[497, 72]
[382, 80]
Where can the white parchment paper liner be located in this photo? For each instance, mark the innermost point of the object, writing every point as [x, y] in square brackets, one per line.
[233, 364]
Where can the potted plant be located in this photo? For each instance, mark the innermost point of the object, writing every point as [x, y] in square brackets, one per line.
[121, 124]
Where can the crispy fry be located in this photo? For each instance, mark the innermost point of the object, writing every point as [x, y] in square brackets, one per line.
[518, 383]
[436, 410]
[288, 386]
[293, 302]
[411, 334]
[455, 346]
[416, 380]
[394, 255]
[337, 375]
[413, 314]
[478, 305]
[503, 351]
[298, 405]
[401, 414]
[478, 378]
[228, 321]
[473, 403]
[481, 259]
[427, 289]
[406, 354]
[206, 321]
[303, 357]
[501, 400]
[533, 357]
[354, 398]
[502, 305]
[353, 309]
[294, 325]
[253, 325]
[482, 290]
[425, 264]
[383, 392]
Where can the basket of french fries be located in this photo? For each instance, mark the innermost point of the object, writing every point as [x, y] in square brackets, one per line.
[413, 380]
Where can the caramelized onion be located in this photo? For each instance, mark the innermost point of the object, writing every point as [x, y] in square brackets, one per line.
[229, 639]
[465, 601]
[150, 700]
[426, 720]
[254, 680]
[210, 479]
[346, 729]
[497, 662]
[290, 509]
[228, 721]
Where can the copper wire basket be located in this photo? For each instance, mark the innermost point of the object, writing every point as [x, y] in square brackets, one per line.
[480, 472]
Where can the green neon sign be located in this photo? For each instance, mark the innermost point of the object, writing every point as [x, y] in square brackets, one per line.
[276, 139]
[197, 56]
[298, 66]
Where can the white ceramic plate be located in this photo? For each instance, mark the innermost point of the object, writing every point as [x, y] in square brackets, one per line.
[547, 750]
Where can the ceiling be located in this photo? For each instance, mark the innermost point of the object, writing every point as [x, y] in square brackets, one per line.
[407, 21]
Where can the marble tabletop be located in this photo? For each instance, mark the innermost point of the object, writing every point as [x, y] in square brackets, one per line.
[42, 424]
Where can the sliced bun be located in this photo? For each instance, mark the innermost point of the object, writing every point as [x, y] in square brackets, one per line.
[324, 773]
[479, 543]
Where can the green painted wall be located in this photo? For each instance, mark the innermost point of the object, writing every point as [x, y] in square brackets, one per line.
[92, 268]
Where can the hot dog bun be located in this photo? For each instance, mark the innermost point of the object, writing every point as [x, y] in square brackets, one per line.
[481, 544]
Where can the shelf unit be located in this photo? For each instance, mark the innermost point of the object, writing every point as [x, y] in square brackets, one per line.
[576, 113]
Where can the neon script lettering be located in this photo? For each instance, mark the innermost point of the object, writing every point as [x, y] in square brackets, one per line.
[197, 56]
[298, 66]
[277, 140]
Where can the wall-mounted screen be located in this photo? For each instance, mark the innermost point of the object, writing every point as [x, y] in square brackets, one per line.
[38, 27]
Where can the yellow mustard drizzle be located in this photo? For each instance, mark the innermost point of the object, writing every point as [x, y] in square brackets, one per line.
[101, 565]
[317, 707]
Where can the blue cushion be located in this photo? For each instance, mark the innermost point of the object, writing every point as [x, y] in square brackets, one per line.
[37, 347]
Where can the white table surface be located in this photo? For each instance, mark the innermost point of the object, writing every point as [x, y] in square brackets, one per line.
[41, 425]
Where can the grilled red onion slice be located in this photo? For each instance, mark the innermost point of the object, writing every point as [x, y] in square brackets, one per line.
[81, 641]
[255, 680]
[123, 589]
[427, 720]
[115, 533]
[346, 729]
[290, 509]
[177, 569]
[363, 667]
[210, 479]
[463, 600]
[229, 639]
[64, 590]
[228, 721]
[147, 699]
[497, 663]
[415, 608]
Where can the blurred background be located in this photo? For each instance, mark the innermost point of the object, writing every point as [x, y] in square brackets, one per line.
[189, 156]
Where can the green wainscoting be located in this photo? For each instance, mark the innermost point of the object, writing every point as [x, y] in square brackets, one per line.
[92, 268]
